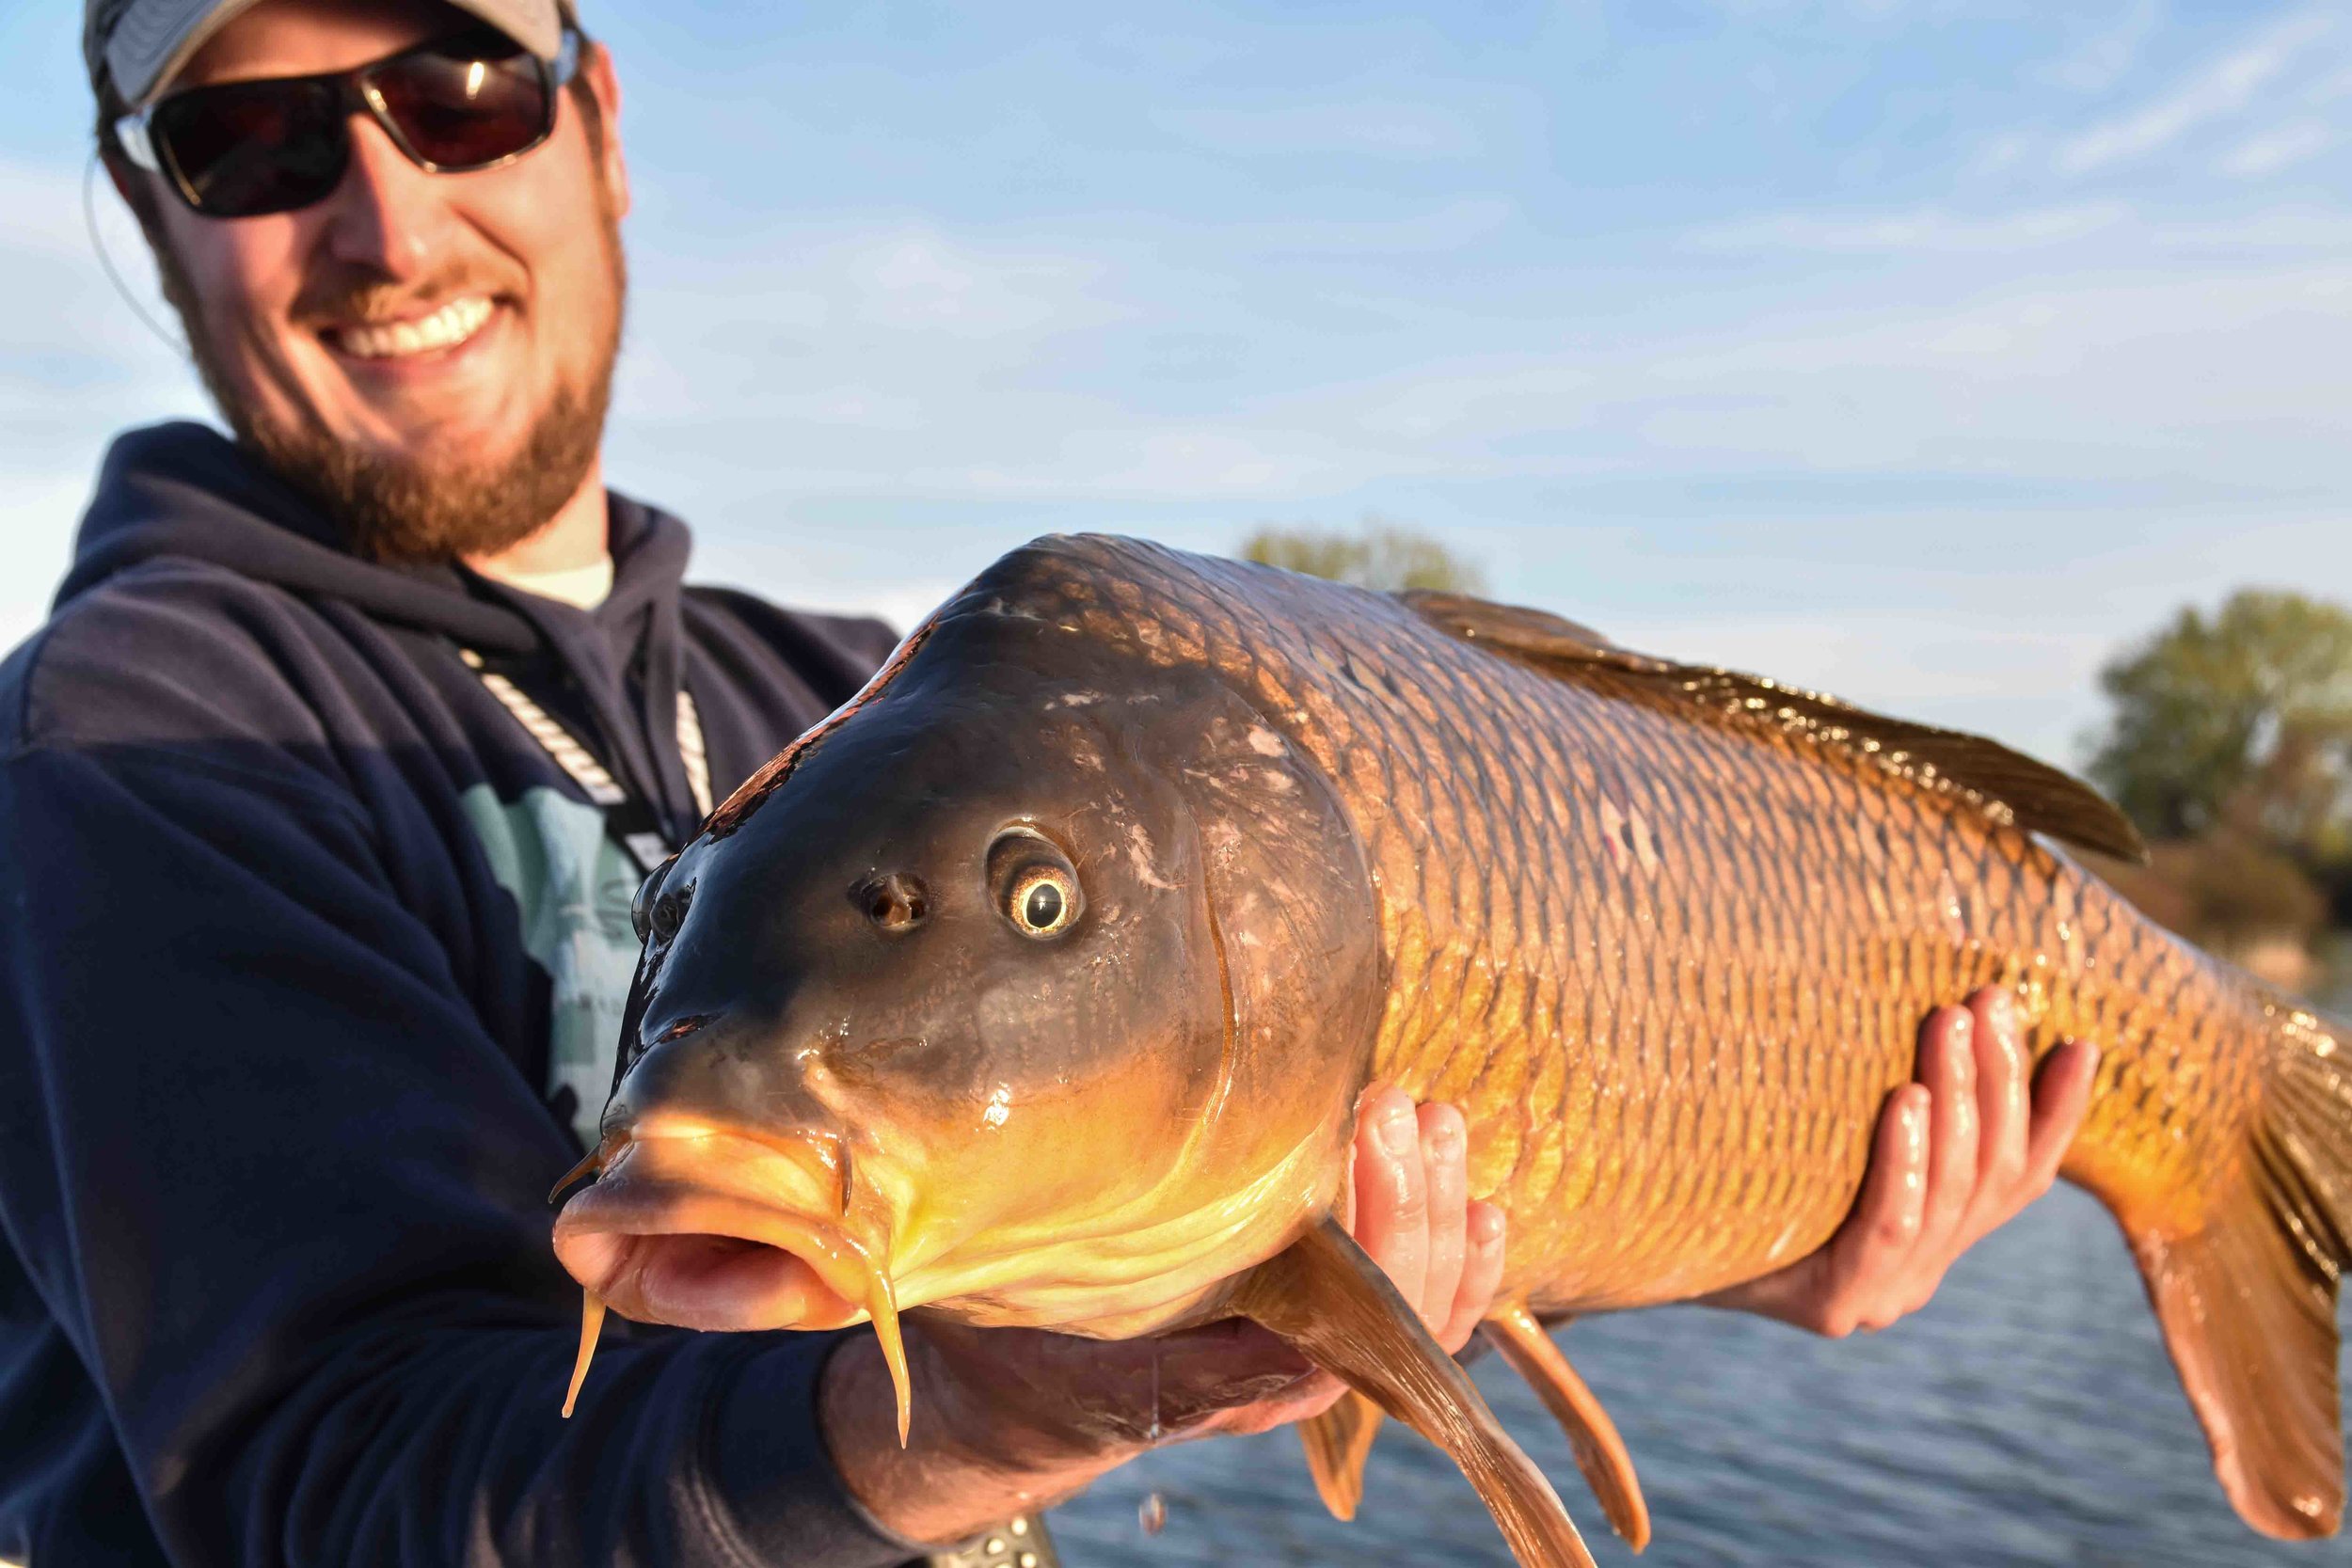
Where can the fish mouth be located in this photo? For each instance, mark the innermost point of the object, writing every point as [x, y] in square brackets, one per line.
[713, 1230]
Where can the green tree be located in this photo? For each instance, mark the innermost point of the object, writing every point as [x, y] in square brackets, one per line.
[2240, 721]
[1380, 554]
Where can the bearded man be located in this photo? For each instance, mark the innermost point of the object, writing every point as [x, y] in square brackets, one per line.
[324, 793]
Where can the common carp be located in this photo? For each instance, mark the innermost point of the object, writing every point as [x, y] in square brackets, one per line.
[1038, 986]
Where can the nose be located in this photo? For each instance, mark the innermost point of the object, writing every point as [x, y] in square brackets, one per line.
[389, 217]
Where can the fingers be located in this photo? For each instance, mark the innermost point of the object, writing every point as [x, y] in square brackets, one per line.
[2030, 1119]
[1233, 1376]
[1947, 1069]
[1868, 1256]
[1845, 1286]
[2062, 1098]
[1481, 1277]
[1413, 1216]
[2003, 1104]
[1958, 1154]
[1392, 1191]
[1444, 1144]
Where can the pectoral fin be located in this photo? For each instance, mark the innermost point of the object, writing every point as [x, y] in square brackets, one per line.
[1334, 1307]
[1337, 1442]
[1600, 1453]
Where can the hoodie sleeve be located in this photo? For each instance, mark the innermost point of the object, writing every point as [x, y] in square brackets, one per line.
[287, 1200]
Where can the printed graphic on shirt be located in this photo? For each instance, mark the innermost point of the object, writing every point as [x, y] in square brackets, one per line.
[572, 885]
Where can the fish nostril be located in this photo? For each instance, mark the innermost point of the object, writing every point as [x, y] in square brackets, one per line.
[684, 1027]
[894, 902]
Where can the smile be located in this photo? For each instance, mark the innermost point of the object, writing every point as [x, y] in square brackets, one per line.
[447, 327]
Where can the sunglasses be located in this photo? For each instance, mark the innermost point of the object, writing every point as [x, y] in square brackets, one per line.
[240, 150]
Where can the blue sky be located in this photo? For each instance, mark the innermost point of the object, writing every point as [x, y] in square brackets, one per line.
[1925, 352]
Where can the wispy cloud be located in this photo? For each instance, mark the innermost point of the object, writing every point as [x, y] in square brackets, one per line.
[2273, 151]
[2224, 88]
[1466, 220]
[1379, 130]
[2211, 377]
[2107, 54]
[2313, 234]
[1920, 231]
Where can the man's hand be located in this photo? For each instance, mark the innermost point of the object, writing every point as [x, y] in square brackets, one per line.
[1410, 1210]
[1008, 1419]
[1959, 1152]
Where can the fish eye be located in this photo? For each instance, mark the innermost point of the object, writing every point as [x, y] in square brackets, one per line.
[1045, 901]
[1036, 887]
[648, 891]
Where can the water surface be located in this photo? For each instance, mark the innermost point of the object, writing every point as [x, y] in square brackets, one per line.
[2028, 1417]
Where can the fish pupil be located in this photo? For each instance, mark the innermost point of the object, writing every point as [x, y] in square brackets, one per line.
[1043, 906]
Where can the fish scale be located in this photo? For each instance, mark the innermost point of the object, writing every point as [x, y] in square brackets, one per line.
[1480, 785]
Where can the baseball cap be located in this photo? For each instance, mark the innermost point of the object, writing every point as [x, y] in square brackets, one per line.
[142, 44]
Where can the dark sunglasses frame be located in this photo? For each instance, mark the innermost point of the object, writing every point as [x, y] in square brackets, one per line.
[145, 137]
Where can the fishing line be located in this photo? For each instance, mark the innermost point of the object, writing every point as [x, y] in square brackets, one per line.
[1152, 1514]
[89, 222]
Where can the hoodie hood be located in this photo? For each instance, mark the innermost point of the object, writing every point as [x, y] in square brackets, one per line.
[183, 490]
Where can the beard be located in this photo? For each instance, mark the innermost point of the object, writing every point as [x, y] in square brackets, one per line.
[447, 506]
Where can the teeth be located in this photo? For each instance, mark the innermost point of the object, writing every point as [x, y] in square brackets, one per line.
[452, 325]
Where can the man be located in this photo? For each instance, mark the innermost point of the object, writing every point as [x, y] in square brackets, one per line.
[323, 792]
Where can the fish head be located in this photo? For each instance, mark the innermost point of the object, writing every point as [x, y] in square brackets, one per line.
[1037, 987]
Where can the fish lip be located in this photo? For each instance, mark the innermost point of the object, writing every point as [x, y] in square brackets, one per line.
[688, 1231]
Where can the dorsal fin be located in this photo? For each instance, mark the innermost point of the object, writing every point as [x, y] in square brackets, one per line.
[2006, 787]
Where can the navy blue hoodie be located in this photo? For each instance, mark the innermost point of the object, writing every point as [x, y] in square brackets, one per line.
[310, 958]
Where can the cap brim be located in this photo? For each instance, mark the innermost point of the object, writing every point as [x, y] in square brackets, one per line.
[154, 39]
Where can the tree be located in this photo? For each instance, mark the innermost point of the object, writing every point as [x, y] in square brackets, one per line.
[2240, 719]
[2231, 745]
[1381, 555]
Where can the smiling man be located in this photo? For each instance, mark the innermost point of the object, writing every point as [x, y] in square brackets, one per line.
[324, 793]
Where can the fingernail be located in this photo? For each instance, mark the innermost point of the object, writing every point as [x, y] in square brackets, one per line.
[1445, 1137]
[1399, 1130]
[2004, 1010]
[1962, 1026]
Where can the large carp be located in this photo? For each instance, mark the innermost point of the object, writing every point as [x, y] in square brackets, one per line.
[1039, 985]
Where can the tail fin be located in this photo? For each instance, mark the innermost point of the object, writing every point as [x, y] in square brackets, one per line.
[2249, 1301]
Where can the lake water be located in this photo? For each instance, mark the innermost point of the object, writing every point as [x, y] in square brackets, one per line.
[2028, 1417]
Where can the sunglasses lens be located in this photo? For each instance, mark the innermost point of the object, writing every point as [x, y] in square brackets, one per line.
[466, 103]
[248, 149]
